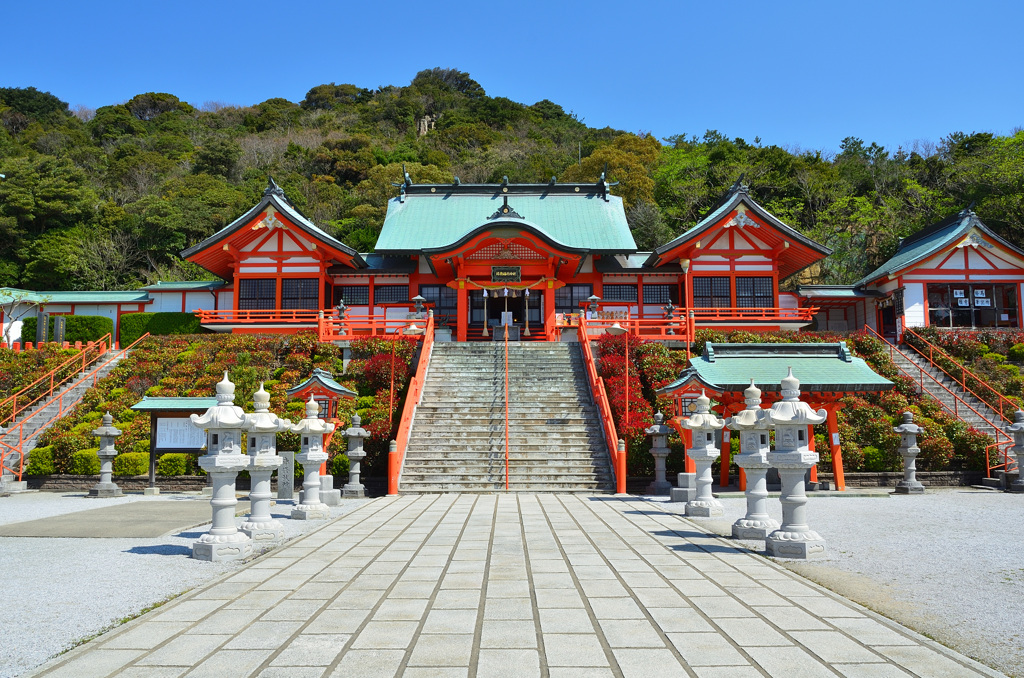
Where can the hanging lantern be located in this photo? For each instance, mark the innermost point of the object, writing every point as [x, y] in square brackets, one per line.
[485, 291]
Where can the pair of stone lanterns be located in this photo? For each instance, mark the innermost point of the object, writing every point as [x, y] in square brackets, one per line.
[790, 419]
[225, 424]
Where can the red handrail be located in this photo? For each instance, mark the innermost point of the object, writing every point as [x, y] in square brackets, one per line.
[1006, 457]
[353, 327]
[597, 388]
[720, 315]
[61, 411]
[957, 400]
[412, 400]
[506, 408]
[964, 373]
[83, 357]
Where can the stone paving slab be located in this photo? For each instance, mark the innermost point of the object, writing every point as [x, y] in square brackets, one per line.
[512, 585]
[137, 519]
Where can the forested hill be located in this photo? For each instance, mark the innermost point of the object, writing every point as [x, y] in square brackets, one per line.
[106, 199]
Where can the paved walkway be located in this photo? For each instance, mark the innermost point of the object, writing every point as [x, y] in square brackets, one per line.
[527, 585]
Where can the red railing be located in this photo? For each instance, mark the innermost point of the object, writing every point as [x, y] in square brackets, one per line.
[258, 317]
[597, 388]
[352, 327]
[45, 386]
[993, 398]
[16, 450]
[958, 401]
[716, 315]
[1005, 464]
[412, 400]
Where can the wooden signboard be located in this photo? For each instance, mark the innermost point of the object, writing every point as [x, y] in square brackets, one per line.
[506, 274]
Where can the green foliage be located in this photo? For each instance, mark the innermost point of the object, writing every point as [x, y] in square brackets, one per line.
[85, 462]
[134, 325]
[172, 464]
[82, 328]
[338, 467]
[131, 464]
[936, 453]
[1016, 353]
[40, 462]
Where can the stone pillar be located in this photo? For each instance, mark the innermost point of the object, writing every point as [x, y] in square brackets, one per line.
[1016, 429]
[262, 428]
[286, 476]
[703, 425]
[328, 494]
[223, 461]
[792, 457]
[909, 450]
[752, 425]
[659, 450]
[355, 435]
[312, 430]
[107, 435]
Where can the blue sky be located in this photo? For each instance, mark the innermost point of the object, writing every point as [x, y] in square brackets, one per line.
[799, 74]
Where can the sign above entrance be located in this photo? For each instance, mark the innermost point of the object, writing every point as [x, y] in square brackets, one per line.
[506, 274]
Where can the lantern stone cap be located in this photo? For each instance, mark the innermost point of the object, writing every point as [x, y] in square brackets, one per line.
[908, 425]
[263, 420]
[414, 330]
[355, 430]
[703, 419]
[107, 427]
[224, 414]
[1018, 422]
[312, 424]
[659, 427]
[791, 411]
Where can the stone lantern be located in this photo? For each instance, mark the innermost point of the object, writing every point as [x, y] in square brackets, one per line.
[670, 314]
[792, 457]
[703, 453]
[355, 435]
[107, 435]
[418, 302]
[262, 428]
[1016, 429]
[753, 426]
[659, 450]
[909, 450]
[312, 430]
[223, 460]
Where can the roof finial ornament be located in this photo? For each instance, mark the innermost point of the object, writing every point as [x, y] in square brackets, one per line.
[738, 185]
[553, 179]
[405, 174]
[504, 180]
[273, 189]
[602, 183]
[456, 181]
[969, 210]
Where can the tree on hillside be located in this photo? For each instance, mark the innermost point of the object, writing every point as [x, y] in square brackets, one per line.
[630, 160]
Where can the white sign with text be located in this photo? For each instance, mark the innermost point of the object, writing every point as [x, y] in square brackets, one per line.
[178, 434]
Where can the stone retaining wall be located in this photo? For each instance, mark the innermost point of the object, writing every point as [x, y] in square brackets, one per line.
[927, 478]
[71, 483]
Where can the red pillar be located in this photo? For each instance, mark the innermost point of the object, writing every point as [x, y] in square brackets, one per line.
[810, 446]
[837, 452]
[549, 311]
[726, 457]
[462, 312]
[688, 465]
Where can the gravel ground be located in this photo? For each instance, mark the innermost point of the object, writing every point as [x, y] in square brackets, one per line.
[58, 592]
[948, 564]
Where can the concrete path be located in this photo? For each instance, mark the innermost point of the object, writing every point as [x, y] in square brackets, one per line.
[526, 585]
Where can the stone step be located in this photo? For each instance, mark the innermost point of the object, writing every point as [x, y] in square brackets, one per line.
[490, 487]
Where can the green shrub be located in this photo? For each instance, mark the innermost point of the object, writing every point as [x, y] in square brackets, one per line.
[338, 466]
[1016, 353]
[141, 446]
[131, 464]
[85, 462]
[82, 328]
[40, 462]
[995, 357]
[873, 459]
[134, 325]
[172, 464]
[936, 453]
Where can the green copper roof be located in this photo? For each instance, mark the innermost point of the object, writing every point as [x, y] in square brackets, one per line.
[931, 240]
[590, 220]
[325, 379]
[821, 368]
[128, 297]
[9, 294]
[174, 404]
[184, 285]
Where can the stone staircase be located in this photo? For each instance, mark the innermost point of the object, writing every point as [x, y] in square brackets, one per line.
[457, 441]
[918, 363]
[38, 418]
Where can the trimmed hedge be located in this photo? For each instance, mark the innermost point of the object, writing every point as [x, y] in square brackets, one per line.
[131, 464]
[40, 462]
[85, 462]
[77, 328]
[172, 464]
[134, 325]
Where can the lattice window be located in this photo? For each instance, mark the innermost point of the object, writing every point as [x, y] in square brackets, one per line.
[352, 295]
[711, 292]
[257, 294]
[619, 292]
[661, 294]
[755, 292]
[390, 294]
[299, 293]
[568, 298]
[505, 249]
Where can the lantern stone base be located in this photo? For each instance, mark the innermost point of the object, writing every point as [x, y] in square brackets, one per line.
[1017, 484]
[351, 491]
[311, 512]
[913, 487]
[687, 489]
[104, 490]
[151, 492]
[753, 529]
[329, 495]
[796, 545]
[660, 488]
[216, 549]
[704, 508]
[261, 532]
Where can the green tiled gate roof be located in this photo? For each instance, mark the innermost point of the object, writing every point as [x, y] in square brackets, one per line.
[587, 221]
